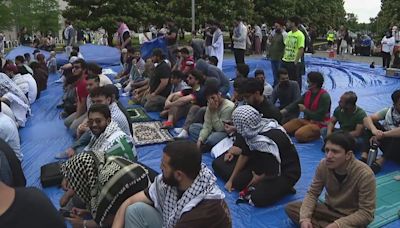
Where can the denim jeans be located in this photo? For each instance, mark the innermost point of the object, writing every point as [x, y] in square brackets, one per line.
[275, 65]
[213, 138]
[142, 215]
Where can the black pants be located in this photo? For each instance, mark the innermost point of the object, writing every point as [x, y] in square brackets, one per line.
[267, 192]
[386, 58]
[239, 55]
[339, 42]
[293, 71]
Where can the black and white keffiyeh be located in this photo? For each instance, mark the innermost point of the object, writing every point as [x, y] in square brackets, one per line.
[106, 139]
[165, 197]
[250, 124]
[118, 117]
[81, 174]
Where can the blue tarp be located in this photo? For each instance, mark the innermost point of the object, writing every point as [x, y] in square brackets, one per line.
[45, 134]
[102, 55]
[147, 47]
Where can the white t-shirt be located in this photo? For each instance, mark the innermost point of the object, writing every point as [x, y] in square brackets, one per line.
[32, 93]
[9, 133]
[104, 80]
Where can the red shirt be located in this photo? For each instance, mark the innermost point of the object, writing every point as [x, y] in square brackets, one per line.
[81, 91]
[188, 62]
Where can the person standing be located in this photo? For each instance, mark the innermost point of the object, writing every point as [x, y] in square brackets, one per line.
[172, 36]
[124, 36]
[217, 44]
[277, 49]
[294, 49]
[69, 37]
[239, 40]
[257, 39]
[388, 42]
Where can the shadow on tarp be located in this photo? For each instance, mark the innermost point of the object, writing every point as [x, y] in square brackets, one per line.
[45, 134]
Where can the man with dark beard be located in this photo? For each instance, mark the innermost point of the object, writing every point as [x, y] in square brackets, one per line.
[285, 92]
[184, 195]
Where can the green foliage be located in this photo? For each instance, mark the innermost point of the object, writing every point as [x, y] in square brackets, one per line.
[36, 15]
[388, 16]
[5, 17]
[94, 14]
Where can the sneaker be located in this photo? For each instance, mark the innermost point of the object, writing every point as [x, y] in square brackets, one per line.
[183, 135]
[178, 130]
[62, 155]
[167, 125]
[125, 94]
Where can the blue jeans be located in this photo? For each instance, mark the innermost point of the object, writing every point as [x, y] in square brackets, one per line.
[82, 142]
[275, 65]
[142, 215]
[213, 138]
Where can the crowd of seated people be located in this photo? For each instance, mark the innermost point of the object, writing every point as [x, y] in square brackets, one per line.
[257, 119]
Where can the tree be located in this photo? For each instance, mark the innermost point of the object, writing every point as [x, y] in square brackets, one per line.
[36, 15]
[388, 16]
[352, 22]
[321, 13]
[5, 16]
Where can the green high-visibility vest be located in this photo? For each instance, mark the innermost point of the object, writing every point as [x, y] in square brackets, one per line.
[331, 36]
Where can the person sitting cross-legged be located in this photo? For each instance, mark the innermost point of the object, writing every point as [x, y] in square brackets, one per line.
[286, 92]
[268, 165]
[219, 110]
[98, 95]
[350, 118]
[106, 135]
[186, 194]
[252, 92]
[386, 135]
[350, 197]
[178, 104]
[102, 183]
[316, 105]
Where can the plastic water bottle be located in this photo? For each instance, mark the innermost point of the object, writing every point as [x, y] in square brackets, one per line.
[373, 152]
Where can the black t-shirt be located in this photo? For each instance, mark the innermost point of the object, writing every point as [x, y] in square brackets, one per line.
[171, 41]
[268, 110]
[267, 163]
[126, 35]
[200, 98]
[31, 208]
[18, 177]
[162, 71]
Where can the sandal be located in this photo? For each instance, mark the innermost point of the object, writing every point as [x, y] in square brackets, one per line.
[376, 168]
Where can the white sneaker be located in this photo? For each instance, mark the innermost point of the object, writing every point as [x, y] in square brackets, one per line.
[178, 130]
[184, 134]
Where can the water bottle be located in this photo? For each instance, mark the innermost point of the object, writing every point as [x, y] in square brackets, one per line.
[373, 152]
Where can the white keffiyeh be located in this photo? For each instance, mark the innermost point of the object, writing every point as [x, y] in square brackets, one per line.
[250, 124]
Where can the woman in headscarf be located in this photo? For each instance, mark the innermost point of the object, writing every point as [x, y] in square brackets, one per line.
[268, 166]
[103, 184]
